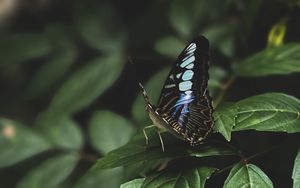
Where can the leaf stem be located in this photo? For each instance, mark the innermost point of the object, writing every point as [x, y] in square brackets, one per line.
[219, 171]
[224, 89]
[246, 160]
[88, 157]
[238, 152]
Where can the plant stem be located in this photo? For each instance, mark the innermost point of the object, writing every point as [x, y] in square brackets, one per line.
[224, 89]
[88, 157]
[246, 160]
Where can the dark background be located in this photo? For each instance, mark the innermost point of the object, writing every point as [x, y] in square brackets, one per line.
[141, 24]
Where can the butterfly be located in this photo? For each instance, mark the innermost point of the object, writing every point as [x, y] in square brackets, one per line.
[185, 106]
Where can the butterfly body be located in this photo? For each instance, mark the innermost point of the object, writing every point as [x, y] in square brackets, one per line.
[185, 106]
[163, 122]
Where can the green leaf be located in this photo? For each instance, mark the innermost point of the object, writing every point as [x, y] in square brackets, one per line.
[100, 26]
[296, 171]
[269, 112]
[193, 178]
[275, 112]
[221, 37]
[49, 73]
[86, 84]
[153, 87]
[50, 173]
[169, 46]
[189, 18]
[247, 175]
[62, 132]
[284, 59]
[136, 183]
[17, 143]
[22, 47]
[185, 17]
[142, 168]
[109, 131]
[137, 151]
[110, 178]
[224, 117]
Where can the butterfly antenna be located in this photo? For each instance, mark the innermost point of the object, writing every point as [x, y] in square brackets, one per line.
[144, 93]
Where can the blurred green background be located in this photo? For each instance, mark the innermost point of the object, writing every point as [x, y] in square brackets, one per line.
[70, 72]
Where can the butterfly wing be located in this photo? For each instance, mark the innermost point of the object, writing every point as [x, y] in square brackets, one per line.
[184, 99]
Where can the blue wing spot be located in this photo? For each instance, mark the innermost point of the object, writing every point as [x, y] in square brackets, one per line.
[188, 61]
[187, 56]
[187, 75]
[191, 47]
[186, 85]
[178, 75]
[183, 101]
[190, 66]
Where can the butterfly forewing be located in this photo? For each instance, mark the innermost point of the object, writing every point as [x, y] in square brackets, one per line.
[185, 100]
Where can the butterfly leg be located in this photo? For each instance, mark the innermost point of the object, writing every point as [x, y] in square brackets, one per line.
[161, 141]
[145, 133]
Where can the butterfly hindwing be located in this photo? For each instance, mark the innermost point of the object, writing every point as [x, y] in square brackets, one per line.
[184, 99]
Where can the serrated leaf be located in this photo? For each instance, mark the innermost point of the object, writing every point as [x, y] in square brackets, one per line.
[108, 131]
[86, 84]
[247, 175]
[22, 47]
[50, 173]
[169, 46]
[18, 142]
[284, 59]
[269, 112]
[275, 112]
[296, 171]
[110, 178]
[192, 178]
[224, 117]
[153, 87]
[136, 183]
[137, 151]
[62, 132]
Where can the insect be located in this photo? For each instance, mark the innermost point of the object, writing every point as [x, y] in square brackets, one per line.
[185, 106]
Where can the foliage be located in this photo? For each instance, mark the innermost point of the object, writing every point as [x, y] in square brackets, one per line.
[68, 113]
[248, 175]
[296, 175]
